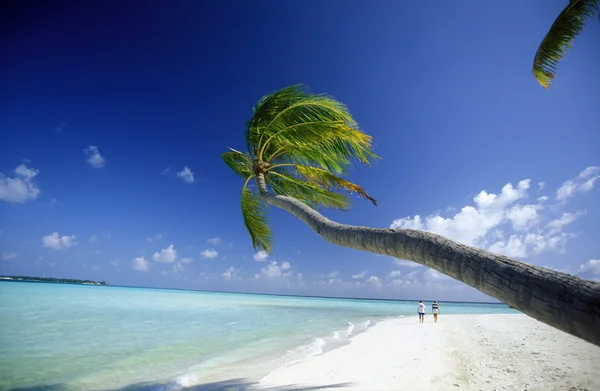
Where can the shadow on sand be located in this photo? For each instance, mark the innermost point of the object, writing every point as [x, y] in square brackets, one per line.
[225, 385]
[50, 387]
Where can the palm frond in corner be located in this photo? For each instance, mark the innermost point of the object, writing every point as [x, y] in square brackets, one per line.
[558, 40]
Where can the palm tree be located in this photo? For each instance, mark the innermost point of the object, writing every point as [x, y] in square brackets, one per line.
[558, 40]
[300, 144]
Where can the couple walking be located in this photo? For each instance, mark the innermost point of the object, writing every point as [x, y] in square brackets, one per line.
[435, 309]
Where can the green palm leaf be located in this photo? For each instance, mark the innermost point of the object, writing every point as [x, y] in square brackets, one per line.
[558, 40]
[331, 145]
[329, 181]
[309, 193]
[238, 162]
[292, 119]
[255, 216]
[266, 109]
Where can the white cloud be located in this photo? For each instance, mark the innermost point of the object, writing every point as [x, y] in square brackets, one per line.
[177, 267]
[514, 246]
[275, 271]
[333, 274]
[583, 183]
[186, 174]
[4, 256]
[209, 253]
[20, 187]
[558, 269]
[522, 217]
[261, 256]
[434, 275]
[565, 219]
[140, 264]
[155, 237]
[231, 273]
[591, 267]
[375, 281]
[94, 158]
[214, 241]
[541, 185]
[403, 262]
[57, 242]
[503, 223]
[187, 260]
[93, 238]
[394, 282]
[166, 255]
[472, 223]
[360, 275]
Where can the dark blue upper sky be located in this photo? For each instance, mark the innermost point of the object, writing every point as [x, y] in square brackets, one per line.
[445, 89]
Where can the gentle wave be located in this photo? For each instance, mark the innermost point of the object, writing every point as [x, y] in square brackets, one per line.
[320, 345]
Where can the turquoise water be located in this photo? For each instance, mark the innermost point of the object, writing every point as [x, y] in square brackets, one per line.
[73, 337]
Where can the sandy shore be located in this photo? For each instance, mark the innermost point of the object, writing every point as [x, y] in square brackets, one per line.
[460, 352]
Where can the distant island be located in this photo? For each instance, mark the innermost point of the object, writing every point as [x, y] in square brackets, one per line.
[51, 279]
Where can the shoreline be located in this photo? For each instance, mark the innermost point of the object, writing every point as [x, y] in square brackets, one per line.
[250, 371]
[480, 352]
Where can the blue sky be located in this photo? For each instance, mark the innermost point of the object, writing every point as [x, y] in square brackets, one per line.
[113, 117]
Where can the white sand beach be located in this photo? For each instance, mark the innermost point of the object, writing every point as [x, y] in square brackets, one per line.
[460, 352]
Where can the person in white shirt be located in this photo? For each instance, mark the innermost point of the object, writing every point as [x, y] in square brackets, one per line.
[421, 311]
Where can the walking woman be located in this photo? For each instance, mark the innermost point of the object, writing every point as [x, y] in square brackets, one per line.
[435, 309]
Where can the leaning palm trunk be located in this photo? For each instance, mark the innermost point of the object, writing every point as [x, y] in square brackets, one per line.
[299, 146]
[565, 302]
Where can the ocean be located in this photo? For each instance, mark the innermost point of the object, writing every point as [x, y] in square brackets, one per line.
[56, 337]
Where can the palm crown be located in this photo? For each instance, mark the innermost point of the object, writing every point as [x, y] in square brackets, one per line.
[300, 144]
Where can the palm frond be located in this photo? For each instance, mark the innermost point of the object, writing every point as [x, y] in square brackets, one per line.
[267, 108]
[558, 40]
[312, 194]
[329, 143]
[294, 122]
[332, 182]
[328, 161]
[278, 187]
[238, 162]
[255, 216]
